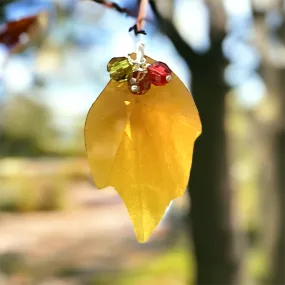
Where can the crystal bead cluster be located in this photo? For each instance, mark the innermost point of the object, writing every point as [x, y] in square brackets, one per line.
[141, 75]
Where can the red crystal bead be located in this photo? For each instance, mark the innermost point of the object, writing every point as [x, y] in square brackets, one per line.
[159, 73]
[139, 82]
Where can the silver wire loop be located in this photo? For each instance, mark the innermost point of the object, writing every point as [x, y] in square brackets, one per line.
[140, 53]
[140, 56]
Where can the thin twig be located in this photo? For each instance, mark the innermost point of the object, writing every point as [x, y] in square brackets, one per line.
[138, 26]
[142, 15]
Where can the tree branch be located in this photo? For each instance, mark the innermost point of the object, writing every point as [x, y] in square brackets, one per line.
[113, 5]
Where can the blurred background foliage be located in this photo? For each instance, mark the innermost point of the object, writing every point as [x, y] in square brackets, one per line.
[56, 228]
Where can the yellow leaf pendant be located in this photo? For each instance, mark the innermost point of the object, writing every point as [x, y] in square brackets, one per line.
[141, 143]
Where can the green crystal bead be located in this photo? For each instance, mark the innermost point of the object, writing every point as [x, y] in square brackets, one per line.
[119, 68]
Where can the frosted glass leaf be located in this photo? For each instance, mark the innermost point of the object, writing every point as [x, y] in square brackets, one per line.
[143, 146]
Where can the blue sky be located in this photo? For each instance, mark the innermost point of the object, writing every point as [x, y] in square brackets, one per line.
[75, 77]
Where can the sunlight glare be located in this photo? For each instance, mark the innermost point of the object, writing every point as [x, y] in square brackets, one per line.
[17, 76]
[237, 8]
[191, 18]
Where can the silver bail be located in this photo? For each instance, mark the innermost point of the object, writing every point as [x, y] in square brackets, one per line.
[140, 53]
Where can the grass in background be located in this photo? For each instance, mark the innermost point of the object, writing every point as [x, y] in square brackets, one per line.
[29, 194]
[174, 267]
[28, 185]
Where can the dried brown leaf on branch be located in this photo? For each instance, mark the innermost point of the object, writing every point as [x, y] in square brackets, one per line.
[18, 35]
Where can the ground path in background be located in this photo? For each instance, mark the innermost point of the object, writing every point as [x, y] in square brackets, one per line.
[95, 232]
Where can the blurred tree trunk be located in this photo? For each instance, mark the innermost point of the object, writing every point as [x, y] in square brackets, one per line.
[273, 72]
[275, 195]
[213, 227]
[278, 260]
[214, 236]
[211, 213]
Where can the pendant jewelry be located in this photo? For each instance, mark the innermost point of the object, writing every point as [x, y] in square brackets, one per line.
[139, 137]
